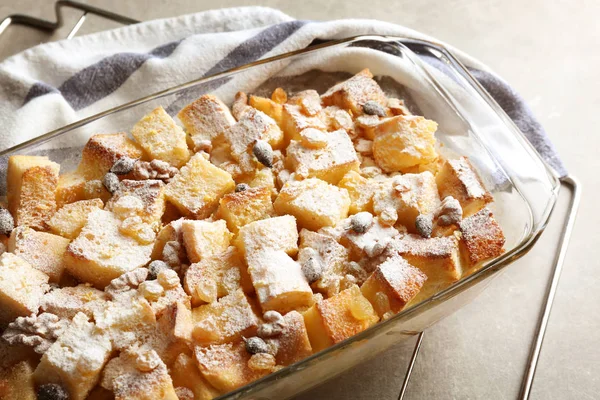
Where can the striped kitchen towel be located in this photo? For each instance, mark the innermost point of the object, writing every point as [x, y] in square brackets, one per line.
[54, 84]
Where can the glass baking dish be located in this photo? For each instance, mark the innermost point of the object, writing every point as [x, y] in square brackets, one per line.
[433, 83]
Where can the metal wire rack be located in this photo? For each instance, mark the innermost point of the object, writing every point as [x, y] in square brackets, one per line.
[568, 181]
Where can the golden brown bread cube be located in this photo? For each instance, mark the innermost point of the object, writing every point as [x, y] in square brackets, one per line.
[252, 126]
[70, 188]
[71, 218]
[204, 238]
[353, 93]
[403, 142]
[225, 320]
[102, 253]
[162, 138]
[152, 194]
[263, 178]
[103, 150]
[241, 208]
[67, 301]
[268, 106]
[329, 255]
[196, 190]
[76, 359]
[438, 257]
[313, 202]
[277, 233]
[172, 334]
[308, 100]
[185, 373]
[278, 281]
[361, 191]
[31, 190]
[293, 342]
[138, 374]
[481, 238]
[457, 178]
[21, 288]
[339, 317]
[205, 118]
[169, 233]
[43, 251]
[295, 121]
[392, 285]
[16, 383]
[329, 163]
[403, 198]
[217, 276]
[225, 366]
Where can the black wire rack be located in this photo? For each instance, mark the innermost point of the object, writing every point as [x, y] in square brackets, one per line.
[568, 181]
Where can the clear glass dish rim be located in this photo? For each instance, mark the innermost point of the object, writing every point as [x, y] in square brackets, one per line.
[489, 269]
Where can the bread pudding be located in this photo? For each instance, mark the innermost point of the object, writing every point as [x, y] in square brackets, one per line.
[199, 253]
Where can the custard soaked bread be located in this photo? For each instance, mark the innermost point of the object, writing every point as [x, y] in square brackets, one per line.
[186, 262]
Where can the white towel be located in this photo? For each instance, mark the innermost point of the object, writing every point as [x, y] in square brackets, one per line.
[54, 84]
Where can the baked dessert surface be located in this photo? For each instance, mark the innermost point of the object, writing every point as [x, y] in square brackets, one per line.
[205, 251]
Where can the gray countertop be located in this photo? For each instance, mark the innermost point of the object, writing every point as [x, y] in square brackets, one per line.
[549, 52]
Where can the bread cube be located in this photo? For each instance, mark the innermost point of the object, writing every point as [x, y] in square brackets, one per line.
[396, 281]
[71, 218]
[253, 125]
[185, 373]
[152, 194]
[16, 383]
[458, 178]
[103, 150]
[295, 121]
[339, 317]
[225, 320]
[406, 197]
[313, 202]
[196, 190]
[70, 188]
[169, 233]
[43, 251]
[361, 191]
[353, 93]
[101, 253]
[173, 333]
[329, 163]
[217, 276]
[437, 257]
[66, 302]
[268, 106]
[127, 320]
[241, 208]
[205, 119]
[162, 138]
[482, 238]
[336, 118]
[402, 142]
[170, 297]
[293, 342]
[21, 288]
[138, 374]
[95, 189]
[330, 256]
[279, 282]
[263, 178]
[308, 100]
[364, 245]
[225, 366]
[76, 359]
[277, 233]
[204, 238]
[31, 186]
